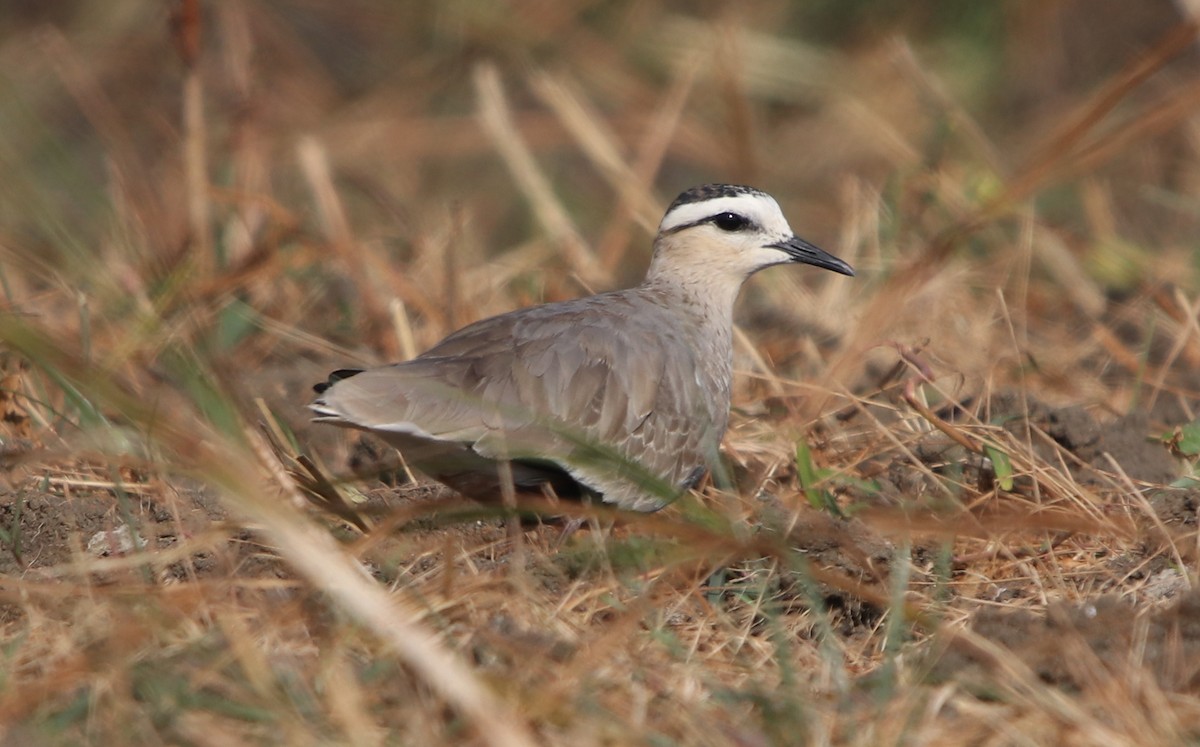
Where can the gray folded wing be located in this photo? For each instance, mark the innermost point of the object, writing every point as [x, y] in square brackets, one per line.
[604, 387]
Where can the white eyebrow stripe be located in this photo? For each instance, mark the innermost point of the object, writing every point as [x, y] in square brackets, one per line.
[750, 206]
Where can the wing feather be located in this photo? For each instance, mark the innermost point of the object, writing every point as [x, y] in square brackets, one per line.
[610, 371]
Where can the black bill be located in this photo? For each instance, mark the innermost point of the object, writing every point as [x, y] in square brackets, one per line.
[800, 250]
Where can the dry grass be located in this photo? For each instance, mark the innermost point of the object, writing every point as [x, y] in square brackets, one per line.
[958, 505]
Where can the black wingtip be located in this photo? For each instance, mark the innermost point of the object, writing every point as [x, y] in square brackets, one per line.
[335, 377]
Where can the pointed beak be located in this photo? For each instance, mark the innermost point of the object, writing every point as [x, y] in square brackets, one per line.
[799, 250]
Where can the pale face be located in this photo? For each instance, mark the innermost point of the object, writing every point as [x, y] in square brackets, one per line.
[737, 230]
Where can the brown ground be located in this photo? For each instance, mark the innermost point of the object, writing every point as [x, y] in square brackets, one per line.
[960, 500]
[1137, 623]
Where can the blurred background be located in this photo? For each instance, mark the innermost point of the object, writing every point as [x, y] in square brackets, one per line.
[282, 188]
[348, 153]
[207, 203]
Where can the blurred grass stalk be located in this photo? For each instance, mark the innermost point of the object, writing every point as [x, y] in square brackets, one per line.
[198, 440]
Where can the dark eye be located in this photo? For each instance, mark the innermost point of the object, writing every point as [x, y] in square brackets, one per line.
[730, 222]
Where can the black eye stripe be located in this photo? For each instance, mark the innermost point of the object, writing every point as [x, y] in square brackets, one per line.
[736, 222]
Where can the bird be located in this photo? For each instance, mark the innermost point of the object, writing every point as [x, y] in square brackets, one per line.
[621, 397]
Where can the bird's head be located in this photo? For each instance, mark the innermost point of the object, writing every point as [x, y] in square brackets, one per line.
[731, 230]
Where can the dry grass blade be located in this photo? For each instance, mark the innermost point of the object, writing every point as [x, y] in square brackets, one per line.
[186, 26]
[315, 485]
[315, 554]
[601, 146]
[1053, 153]
[1040, 170]
[651, 152]
[498, 123]
[311, 550]
[314, 163]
